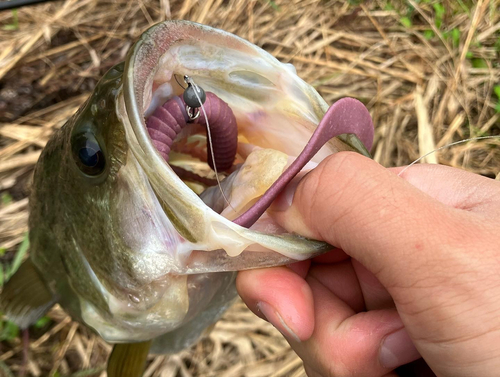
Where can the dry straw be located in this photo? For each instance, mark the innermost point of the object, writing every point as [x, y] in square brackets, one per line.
[426, 71]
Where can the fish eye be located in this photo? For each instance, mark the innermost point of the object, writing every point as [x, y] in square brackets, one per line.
[88, 154]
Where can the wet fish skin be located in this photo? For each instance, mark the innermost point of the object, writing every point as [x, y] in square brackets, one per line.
[70, 211]
[81, 243]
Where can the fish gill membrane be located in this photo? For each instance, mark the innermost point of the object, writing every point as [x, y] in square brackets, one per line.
[141, 244]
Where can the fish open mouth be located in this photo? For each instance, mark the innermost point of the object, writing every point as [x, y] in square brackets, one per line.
[176, 228]
[263, 121]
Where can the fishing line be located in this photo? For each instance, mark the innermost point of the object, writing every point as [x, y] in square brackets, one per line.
[447, 146]
[189, 80]
[182, 86]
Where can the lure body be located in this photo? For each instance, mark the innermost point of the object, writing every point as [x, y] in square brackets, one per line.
[170, 119]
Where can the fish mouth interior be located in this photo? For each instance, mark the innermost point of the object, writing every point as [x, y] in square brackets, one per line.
[273, 107]
[276, 113]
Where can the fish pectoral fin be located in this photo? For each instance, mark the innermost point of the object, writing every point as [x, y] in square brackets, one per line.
[25, 297]
[128, 359]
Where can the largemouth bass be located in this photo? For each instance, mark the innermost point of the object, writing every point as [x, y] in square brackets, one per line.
[129, 232]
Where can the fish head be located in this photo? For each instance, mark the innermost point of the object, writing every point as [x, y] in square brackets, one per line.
[129, 247]
[276, 114]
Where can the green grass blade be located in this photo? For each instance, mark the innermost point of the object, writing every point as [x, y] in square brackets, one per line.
[21, 253]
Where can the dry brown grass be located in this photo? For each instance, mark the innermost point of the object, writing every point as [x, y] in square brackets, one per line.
[423, 92]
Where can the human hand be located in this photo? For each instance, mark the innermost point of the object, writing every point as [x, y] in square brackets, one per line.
[419, 270]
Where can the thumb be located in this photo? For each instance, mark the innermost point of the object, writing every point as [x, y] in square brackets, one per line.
[376, 217]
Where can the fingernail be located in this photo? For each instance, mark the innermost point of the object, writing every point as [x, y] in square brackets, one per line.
[285, 199]
[397, 349]
[276, 320]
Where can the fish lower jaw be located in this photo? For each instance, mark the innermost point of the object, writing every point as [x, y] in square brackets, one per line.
[135, 317]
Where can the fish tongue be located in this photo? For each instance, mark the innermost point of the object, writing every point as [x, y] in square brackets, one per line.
[247, 184]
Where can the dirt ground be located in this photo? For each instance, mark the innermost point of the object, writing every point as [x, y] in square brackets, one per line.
[428, 71]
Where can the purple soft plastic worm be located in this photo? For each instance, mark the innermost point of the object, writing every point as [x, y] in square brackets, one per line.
[224, 132]
[346, 116]
[168, 120]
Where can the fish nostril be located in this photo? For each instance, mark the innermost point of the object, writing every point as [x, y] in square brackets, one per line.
[249, 78]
